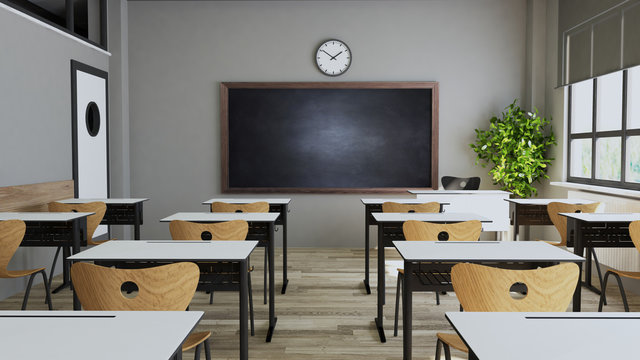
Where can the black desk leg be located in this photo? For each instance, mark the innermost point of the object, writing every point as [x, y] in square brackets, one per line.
[285, 282]
[244, 295]
[65, 270]
[380, 286]
[578, 249]
[76, 301]
[366, 249]
[407, 301]
[516, 226]
[272, 291]
[137, 219]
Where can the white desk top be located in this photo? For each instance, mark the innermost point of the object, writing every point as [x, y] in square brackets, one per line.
[380, 201]
[547, 201]
[273, 201]
[96, 335]
[43, 216]
[430, 217]
[218, 217]
[464, 192]
[106, 201]
[567, 336]
[168, 250]
[483, 251]
[604, 217]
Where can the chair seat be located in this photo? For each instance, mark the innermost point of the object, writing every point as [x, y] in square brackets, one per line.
[97, 242]
[627, 274]
[195, 339]
[453, 341]
[20, 273]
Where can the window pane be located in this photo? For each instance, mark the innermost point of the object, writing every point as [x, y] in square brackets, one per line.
[581, 158]
[633, 98]
[632, 173]
[608, 158]
[581, 107]
[609, 102]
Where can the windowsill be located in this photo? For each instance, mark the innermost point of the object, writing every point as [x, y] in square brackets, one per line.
[598, 189]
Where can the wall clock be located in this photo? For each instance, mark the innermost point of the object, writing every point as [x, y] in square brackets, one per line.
[333, 57]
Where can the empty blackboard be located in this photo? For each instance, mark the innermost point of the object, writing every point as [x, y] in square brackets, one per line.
[329, 137]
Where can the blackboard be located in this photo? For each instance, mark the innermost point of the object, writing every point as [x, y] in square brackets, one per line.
[329, 137]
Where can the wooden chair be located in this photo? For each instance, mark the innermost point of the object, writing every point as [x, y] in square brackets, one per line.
[394, 207]
[458, 183]
[485, 288]
[11, 235]
[161, 288]
[97, 207]
[255, 207]
[634, 232]
[425, 231]
[229, 230]
[560, 223]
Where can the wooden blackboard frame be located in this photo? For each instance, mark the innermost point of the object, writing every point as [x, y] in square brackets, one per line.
[224, 130]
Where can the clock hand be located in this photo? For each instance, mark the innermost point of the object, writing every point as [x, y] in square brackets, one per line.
[334, 57]
[326, 53]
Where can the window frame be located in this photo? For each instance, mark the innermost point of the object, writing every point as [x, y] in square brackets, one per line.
[594, 135]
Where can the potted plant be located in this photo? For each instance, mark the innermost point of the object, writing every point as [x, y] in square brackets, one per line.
[516, 146]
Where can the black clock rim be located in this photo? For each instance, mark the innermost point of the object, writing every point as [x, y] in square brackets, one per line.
[345, 45]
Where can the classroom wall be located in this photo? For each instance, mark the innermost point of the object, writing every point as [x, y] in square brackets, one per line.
[179, 52]
[35, 114]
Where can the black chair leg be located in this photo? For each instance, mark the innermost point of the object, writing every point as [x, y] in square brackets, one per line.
[398, 295]
[198, 347]
[603, 290]
[438, 349]
[447, 351]
[622, 292]
[53, 266]
[595, 259]
[207, 350]
[211, 297]
[253, 331]
[265, 275]
[437, 298]
[47, 289]
[26, 293]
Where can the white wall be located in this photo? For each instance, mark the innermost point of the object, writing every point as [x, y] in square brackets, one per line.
[35, 114]
[179, 52]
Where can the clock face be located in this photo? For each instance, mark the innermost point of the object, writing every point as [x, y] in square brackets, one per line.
[333, 57]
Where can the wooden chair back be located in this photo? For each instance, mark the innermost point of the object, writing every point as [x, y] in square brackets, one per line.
[97, 207]
[394, 207]
[560, 222]
[11, 234]
[634, 232]
[256, 207]
[485, 288]
[229, 230]
[463, 231]
[161, 288]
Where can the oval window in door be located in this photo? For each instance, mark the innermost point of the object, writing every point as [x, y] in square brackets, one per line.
[92, 118]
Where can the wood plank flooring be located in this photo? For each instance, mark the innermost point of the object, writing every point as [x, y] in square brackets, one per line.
[325, 313]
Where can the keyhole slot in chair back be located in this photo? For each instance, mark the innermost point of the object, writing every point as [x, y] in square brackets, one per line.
[129, 289]
[443, 236]
[206, 235]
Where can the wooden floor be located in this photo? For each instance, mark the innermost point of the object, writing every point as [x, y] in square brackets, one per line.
[325, 313]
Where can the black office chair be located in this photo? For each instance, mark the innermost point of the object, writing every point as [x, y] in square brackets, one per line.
[458, 183]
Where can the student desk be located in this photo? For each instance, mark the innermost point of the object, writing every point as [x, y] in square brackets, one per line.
[535, 336]
[425, 261]
[54, 229]
[170, 251]
[276, 205]
[593, 230]
[489, 203]
[96, 335]
[373, 206]
[119, 211]
[261, 227]
[390, 229]
[534, 212]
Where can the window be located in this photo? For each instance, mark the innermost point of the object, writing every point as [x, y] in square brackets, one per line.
[86, 19]
[604, 130]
